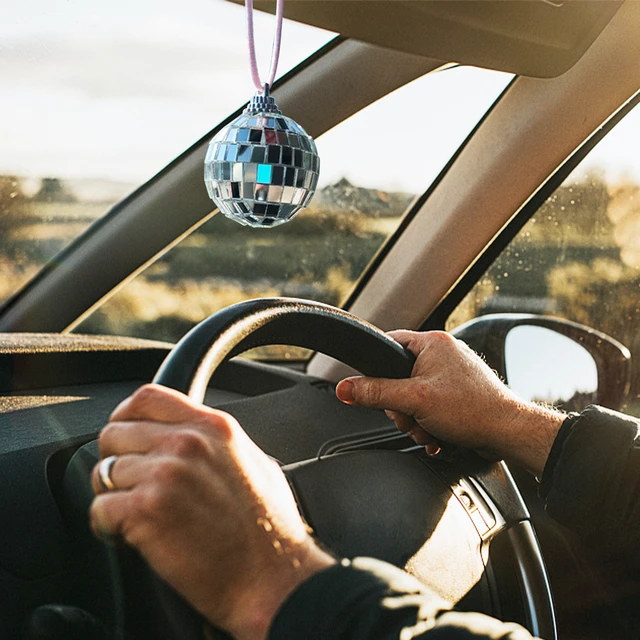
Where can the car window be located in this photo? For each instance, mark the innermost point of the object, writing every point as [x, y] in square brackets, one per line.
[99, 96]
[368, 178]
[578, 257]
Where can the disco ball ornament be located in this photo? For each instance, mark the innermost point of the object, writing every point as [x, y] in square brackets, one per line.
[263, 168]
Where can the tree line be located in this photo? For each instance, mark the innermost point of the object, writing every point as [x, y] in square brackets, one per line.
[16, 205]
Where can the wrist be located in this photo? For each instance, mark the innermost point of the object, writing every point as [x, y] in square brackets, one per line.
[255, 612]
[534, 432]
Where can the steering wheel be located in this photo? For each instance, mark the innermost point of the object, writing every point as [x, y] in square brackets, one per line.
[457, 522]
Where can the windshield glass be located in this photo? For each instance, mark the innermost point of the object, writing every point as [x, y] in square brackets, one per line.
[367, 183]
[98, 96]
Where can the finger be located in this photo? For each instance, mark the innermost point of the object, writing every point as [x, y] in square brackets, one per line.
[433, 448]
[154, 402]
[126, 472]
[420, 436]
[379, 393]
[406, 338]
[118, 438]
[402, 421]
[438, 344]
[108, 513]
[406, 424]
[403, 335]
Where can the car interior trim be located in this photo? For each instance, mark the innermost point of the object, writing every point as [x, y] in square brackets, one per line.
[546, 119]
[533, 38]
[414, 209]
[439, 316]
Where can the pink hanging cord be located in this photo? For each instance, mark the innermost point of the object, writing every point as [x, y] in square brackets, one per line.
[275, 51]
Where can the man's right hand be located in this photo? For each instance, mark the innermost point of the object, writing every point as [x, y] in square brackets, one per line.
[210, 512]
[453, 396]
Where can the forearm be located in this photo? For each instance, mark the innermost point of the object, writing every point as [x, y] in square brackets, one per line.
[270, 591]
[371, 600]
[590, 483]
[528, 440]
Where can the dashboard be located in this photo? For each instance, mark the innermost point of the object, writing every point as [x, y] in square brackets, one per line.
[57, 392]
[382, 496]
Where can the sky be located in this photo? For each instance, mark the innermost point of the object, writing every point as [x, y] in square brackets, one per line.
[546, 366]
[116, 89]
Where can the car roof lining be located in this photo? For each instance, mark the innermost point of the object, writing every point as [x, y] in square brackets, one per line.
[540, 38]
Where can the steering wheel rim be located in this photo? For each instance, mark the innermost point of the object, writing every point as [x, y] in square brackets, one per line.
[339, 334]
[291, 321]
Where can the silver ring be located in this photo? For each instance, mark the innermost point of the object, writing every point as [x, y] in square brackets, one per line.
[104, 473]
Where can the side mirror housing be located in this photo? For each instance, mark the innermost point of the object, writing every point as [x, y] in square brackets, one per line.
[552, 360]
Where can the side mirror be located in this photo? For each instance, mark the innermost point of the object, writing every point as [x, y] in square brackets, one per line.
[551, 360]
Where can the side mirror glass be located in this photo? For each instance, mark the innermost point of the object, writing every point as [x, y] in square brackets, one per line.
[545, 366]
[551, 359]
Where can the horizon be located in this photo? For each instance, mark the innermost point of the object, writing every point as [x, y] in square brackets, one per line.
[115, 91]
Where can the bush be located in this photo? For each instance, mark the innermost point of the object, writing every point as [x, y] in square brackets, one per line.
[14, 206]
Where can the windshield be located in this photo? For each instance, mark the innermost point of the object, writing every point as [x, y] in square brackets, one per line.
[99, 96]
[367, 183]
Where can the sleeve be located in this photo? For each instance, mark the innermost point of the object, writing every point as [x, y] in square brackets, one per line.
[366, 599]
[591, 484]
[591, 481]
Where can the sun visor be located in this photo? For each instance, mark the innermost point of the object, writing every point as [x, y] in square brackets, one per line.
[541, 38]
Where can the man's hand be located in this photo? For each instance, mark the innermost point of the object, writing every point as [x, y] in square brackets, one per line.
[210, 512]
[453, 396]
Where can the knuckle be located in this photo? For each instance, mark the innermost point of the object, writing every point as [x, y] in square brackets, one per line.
[168, 472]
[370, 392]
[137, 533]
[153, 503]
[223, 425]
[109, 434]
[144, 396]
[440, 339]
[188, 443]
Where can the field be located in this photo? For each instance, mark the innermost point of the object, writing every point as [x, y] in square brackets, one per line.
[38, 235]
[576, 258]
[223, 263]
[319, 255]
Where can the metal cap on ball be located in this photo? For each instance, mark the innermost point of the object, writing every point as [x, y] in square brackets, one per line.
[263, 168]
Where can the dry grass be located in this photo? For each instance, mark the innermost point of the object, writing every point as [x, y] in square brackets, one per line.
[50, 211]
[163, 311]
[13, 276]
[144, 301]
[58, 220]
[188, 299]
[385, 226]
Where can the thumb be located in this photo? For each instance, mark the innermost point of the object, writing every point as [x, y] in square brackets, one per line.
[378, 393]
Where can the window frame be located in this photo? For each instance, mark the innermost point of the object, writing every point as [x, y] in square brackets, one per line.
[438, 318]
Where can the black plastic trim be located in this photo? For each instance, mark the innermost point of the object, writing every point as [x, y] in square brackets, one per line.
[532, 578]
